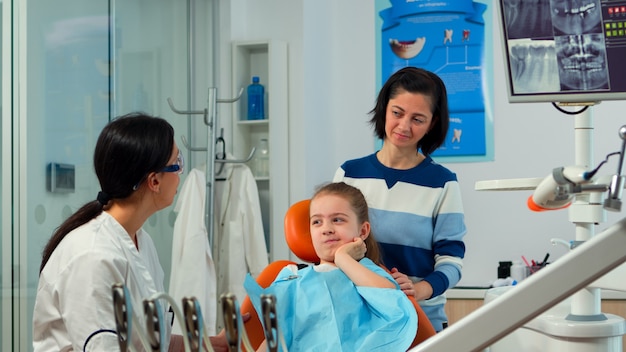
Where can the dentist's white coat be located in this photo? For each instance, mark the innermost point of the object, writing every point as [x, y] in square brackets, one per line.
[74, 299]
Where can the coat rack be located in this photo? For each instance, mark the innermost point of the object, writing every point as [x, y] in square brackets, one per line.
[210, 119]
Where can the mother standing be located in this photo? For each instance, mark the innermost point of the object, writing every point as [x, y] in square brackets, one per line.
[415, 204]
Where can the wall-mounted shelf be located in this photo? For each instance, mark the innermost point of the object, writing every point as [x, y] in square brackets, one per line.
[253, 122]
[268, 61]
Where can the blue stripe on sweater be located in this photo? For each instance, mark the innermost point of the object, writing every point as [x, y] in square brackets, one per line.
[418, 263]
[428, 173]
[412, 261]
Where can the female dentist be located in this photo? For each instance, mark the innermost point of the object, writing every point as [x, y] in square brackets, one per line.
[138, 166]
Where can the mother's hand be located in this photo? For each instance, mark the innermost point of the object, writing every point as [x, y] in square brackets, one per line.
[406, 285]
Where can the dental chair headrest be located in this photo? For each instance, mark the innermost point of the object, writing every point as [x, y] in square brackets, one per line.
[297, 232]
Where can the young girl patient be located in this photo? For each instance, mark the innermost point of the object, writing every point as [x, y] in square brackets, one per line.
[346, 302]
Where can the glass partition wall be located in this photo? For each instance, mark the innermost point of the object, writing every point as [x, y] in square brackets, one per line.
[5, 204]
[76, 65]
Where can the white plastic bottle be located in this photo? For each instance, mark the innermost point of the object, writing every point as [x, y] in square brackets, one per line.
[262, 156]
[519, 271]
[509, 281]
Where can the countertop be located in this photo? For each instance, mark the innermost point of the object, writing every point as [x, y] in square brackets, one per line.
[477, 292]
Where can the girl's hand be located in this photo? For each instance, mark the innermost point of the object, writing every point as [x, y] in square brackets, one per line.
[406, 285]
[355, 249]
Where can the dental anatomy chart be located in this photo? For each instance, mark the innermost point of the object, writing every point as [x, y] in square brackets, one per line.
[447, 38]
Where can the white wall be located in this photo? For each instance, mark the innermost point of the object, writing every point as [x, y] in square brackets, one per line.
[333, 85]
[339, 86]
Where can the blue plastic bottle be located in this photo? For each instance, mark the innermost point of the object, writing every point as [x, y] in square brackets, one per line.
[256, 93]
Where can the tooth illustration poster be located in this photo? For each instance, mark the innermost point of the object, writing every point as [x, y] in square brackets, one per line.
[449, 39]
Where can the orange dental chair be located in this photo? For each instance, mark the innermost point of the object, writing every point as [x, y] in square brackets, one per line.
[299, 241]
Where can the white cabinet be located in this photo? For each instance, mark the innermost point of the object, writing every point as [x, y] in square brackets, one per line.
[268, 60]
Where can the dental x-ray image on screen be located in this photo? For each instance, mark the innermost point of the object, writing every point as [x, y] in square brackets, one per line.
[582, 62]
[564, 50]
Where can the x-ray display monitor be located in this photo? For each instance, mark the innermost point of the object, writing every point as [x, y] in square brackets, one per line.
[564, 50]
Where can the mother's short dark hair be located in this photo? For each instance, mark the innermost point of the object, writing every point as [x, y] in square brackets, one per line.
[415, 80]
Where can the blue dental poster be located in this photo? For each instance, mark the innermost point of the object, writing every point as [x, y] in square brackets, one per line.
[452, 39]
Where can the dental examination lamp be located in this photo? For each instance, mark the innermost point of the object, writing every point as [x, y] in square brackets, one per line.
[558, 189]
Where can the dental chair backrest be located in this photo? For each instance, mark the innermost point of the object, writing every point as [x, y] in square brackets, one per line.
[298, 239]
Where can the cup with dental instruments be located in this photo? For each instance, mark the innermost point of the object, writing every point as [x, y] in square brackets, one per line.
[521, 269]
[195, 338]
